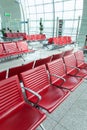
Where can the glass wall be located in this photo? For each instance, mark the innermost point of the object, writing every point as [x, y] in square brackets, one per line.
[51, 12]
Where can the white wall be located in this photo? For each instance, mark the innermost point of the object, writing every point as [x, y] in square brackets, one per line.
[9, 6]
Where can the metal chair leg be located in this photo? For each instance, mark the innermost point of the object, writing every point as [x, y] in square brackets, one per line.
[42, 127]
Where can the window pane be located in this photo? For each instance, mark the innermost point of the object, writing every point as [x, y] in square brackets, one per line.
[79, 4]
[59, 7]
[68, 15]
[69, 5]
[39, 9]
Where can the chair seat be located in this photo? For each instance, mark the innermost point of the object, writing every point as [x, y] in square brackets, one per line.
[71, 82]
[24, 118]
[81, 73]
[83, 66]
[52, 97]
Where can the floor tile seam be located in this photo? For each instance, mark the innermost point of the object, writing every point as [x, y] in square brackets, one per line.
[60, 125]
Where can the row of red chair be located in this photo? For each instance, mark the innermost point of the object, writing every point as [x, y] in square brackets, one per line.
[36, 37]
[72, 61]
[32, 37]
[65, 74]
[13, 48]
[15, 35]
[15, 113]
[19, 69]
[60, 40]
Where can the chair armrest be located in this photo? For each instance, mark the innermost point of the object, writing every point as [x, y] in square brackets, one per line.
[80, 60]
[34, 93]
[78, 69]
[64, 80]
[73, 67]
[54, 75]
[57, 76]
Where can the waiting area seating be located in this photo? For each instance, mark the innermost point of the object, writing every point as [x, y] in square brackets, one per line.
[8, 49]
[19, 69]
[68, 52]
[42, 61]
[15, 113]
[37, 81]
[15, 35]
[60, 40]
[3, 75]
[24, 36]
[59, 77]
[72, 68]
[80, 61]
[57, 56]
[36, 37]
[46, 86]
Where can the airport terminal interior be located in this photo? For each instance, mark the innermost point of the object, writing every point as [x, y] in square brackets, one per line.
[43, 65]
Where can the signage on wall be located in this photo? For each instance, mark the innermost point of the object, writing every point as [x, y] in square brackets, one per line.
[7, 14]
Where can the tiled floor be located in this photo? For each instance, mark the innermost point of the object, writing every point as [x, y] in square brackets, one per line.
[72, 113]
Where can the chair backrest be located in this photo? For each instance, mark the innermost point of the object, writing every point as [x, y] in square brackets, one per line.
[10, 95]
[57, 56]
[70, 60]
[22, 46]
[50, 40]
[43, 37]
[56, 67]
[2, 51]
[3, 75]
[8, 35]
[10, 47]
[15, 71]
[68, 52]
[28, 66]
[42, 61]
[14, 35]
[79, 57]
[19, 69]
[35, 79]
[65, 40]
[69, 39]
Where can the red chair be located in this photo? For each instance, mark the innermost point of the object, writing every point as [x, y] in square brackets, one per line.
[57, 56]
[19, 69]
[42, 61]
[80, 60]
[11, 48]
[37, 80]
[65, 40]
[68, 52]
[3, 75]
[71, 67]
[2, 51]
[69, 40]
[37, 37]
[8, 35]
[23, 47]
[14, 35]
[59, 78]
[58, 41]
[15, 113]
[43, 37]
[50, 40]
